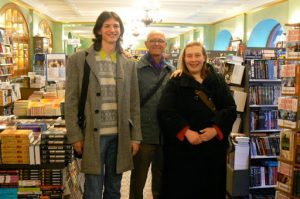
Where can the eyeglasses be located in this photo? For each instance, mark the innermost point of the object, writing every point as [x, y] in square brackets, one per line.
[154, 41]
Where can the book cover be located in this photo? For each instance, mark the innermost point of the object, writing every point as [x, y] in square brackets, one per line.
[293, 49]
[288, 112]
[290, 79]
[287, 144]
[284, 177]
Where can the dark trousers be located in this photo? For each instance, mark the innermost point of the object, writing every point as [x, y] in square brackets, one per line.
[148, 153]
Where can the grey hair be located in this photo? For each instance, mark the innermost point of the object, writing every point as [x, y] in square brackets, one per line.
[155, 32]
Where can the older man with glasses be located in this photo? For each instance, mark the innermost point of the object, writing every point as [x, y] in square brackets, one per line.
[153, 73]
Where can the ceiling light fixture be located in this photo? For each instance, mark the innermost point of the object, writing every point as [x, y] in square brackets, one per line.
[151, 17]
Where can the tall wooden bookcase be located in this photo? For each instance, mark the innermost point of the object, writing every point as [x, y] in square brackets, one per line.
[263, 90]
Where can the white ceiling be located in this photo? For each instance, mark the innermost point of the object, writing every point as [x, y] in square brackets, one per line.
[171, 11]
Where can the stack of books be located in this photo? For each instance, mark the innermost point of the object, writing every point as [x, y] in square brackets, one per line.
[21, 107]
[15, 146]
[54, 148]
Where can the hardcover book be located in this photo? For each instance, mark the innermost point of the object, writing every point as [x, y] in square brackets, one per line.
[287, 138]
[290, 79]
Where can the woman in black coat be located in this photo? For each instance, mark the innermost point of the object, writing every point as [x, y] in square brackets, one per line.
[195, 138]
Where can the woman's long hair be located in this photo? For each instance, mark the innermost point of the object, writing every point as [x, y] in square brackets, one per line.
[182, 64]
[99, 23]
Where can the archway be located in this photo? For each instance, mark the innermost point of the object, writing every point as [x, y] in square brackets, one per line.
[261, 33]
[223, 40]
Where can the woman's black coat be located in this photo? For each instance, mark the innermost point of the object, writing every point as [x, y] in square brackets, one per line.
[195, 171]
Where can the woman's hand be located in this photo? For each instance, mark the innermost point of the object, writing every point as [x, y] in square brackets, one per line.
[127, 54]
[176, 73]
[193, 137]
[208, 134]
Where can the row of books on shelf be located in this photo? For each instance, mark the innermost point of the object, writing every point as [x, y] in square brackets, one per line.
[254, 53]
[263, 119]
[264, 69]
[5, 49]
[263, 145]
[53, 183]
[264, 174]
[3, 36]
[31, 177]
[36, 192]
[6, 60]
[42, 183]
[5, 70]
[264, 94]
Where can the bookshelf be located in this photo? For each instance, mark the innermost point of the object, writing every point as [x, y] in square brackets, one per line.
[17, 30]
[6, 60]
[264, 87]
[289, 118]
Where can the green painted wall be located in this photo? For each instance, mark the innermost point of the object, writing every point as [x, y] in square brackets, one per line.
[294, 11]
[236, 26]
[182, 44]
[58, 40]
[208, 38]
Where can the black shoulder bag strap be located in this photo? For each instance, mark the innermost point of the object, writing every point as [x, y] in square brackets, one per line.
[145, 99]
[84, 89]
